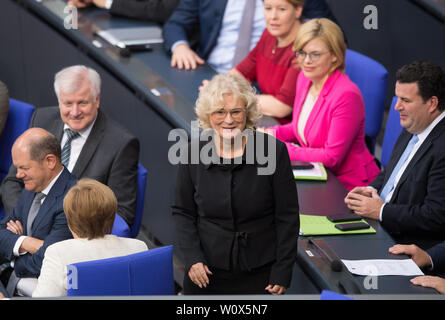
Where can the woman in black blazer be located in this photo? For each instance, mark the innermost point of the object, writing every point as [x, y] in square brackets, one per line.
[236, 203]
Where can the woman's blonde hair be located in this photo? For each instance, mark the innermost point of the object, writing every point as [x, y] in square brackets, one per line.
[331, 35]
[90, 208]
[211, 98]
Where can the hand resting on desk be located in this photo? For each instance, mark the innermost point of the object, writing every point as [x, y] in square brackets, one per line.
[422, 259]
[365, 202]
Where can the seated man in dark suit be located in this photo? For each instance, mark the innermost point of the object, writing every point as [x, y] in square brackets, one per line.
[152, 10]
[408, 197]
[38, 219]
[219, 24]
[434, 258]
[93, 145]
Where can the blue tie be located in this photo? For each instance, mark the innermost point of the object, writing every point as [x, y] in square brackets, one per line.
[389, 186]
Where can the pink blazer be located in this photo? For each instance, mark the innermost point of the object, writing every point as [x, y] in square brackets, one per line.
[335, 131]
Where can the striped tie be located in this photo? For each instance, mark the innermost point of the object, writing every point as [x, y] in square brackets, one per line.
[66, 151]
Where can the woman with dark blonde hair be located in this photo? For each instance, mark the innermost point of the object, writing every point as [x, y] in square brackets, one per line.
[237, 224]
[90, 209]
[328, 123]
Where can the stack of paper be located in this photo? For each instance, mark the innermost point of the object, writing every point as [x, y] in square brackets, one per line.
[320, 225]
[383, 267]
[318, 172]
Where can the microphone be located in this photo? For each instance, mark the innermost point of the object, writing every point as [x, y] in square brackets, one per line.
[336, 265]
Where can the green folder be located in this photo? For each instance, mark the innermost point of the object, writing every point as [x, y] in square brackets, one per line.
[318, 172]
[320, 225]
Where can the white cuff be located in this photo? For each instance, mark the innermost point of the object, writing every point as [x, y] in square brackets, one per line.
[178, 43]
[108, 4]
[381, 212]
[17, 245]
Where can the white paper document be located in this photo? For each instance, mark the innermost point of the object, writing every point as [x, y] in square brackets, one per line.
[387, 267]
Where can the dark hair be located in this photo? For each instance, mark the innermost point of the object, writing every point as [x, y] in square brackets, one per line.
[430, 79]
[47, 144]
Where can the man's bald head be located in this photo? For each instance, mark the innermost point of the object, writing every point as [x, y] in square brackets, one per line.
[39, 143]
[36, 155]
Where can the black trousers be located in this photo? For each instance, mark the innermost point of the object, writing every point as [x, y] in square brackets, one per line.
[231, 282]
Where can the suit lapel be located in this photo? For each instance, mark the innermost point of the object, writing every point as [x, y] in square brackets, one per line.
[90, 145]
[56, 191]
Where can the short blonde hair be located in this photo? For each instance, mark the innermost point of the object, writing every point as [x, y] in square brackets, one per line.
[211, 98]
[90, 208]
[331, 35]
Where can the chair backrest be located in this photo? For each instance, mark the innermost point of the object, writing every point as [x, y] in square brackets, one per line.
[142, 185]
[120, 227]
[392, 133]
[19, 117]
[331, 295]
[371, 78]
[145, 273]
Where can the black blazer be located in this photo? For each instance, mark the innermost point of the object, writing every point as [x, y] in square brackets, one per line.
[417, 207]
[49, 225]
[229, 215]
[110, 155]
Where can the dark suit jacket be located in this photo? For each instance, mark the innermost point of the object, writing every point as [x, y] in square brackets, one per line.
[110, 155]
[49, 225]
[417, 207]
[437, 254]
[207, 15]
[151, 10]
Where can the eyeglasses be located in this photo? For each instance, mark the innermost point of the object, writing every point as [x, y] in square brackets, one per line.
[221, 114]
[313, 56]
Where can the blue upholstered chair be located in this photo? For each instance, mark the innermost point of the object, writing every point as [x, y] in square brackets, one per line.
[144, 273]
[18, 120]
[392, 132]
[371, 78]
[330, 295]
[120, 227]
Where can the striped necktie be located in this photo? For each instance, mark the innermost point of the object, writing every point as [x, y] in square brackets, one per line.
[66, 150]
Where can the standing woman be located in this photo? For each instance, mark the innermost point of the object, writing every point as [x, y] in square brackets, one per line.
[270, 62]
[237, 226]
[329, 115]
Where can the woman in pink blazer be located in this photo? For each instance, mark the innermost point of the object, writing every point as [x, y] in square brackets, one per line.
[329, 116]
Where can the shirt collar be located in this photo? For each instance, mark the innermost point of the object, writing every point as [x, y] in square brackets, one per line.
[50, 185]
[424, 134]
[85, 132]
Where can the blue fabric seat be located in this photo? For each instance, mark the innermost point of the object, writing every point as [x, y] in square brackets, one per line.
[120, 227]
[19, 117]
[371, 78]
[392, 133]
[145, 273]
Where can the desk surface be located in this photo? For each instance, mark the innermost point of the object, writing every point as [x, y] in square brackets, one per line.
[145, 71]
